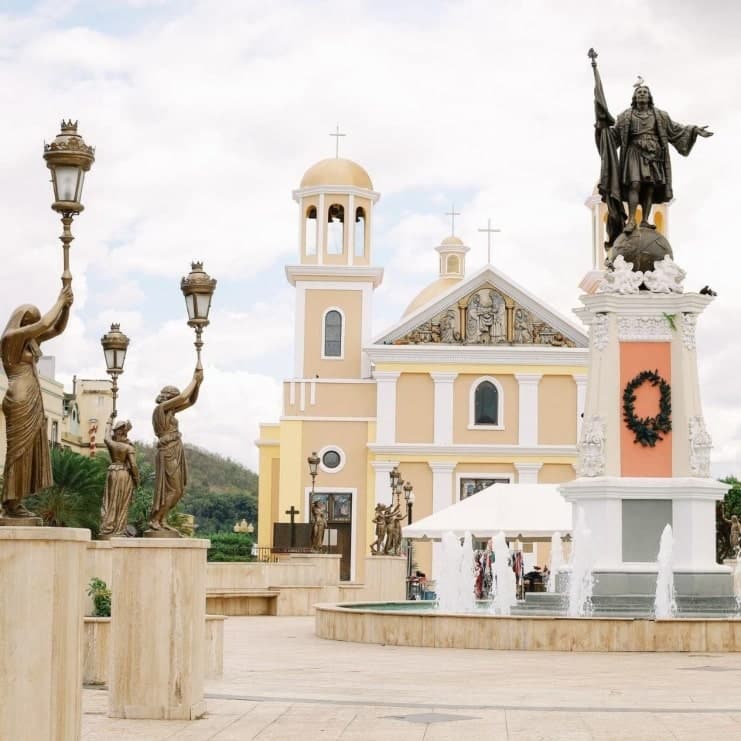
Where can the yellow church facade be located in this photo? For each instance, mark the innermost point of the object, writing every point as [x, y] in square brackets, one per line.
[478, 383]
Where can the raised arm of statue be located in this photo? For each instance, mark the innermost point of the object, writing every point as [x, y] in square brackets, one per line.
[187, 397]
[58, 317]
[26, 323]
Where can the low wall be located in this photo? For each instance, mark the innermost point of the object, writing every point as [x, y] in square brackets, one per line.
[536, 633]
[290, 586]
[96, 654]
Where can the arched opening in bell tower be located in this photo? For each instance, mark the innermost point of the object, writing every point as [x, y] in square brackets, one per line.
[335, 229]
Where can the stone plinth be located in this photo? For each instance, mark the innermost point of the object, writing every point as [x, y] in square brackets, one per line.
[41, 583]
[385, 578]
[644, 450]
[97, 565]
[157, 633]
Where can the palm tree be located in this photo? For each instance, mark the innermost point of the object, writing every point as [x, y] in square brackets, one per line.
[75, 498]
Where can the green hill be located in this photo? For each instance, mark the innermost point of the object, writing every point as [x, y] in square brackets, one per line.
[219, 492]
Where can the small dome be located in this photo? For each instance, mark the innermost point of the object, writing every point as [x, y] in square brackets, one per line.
[336, 171]
[452, 241]
[430, 293]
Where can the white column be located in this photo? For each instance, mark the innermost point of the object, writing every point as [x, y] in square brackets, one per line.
[527, 473]
[442, 496]
[366, 339]
[528, 407]
[321, 237]
[299, 329]
[581, 396]
[350, 227]
[443, 424]
[386, 406]
[383, 482]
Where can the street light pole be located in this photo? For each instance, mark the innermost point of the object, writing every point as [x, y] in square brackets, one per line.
[409, 497]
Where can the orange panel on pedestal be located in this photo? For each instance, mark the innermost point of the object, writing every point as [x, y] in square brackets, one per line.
[637, 459]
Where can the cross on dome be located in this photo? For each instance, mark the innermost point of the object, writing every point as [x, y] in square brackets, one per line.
[452, 213]
[337, 136]
[489, 231]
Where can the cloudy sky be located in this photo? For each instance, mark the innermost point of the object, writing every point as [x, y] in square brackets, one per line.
[206, 114]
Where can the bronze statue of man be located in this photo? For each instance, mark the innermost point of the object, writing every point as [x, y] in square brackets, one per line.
[27, 460]
[642, 173]
[121, 480]
[171, 473]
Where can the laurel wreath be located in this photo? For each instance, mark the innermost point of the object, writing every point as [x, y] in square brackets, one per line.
[647, 430]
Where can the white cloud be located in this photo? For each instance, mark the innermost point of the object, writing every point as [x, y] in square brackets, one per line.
[206, 114]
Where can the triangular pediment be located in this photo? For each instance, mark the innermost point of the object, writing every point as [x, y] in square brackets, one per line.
[486, 309]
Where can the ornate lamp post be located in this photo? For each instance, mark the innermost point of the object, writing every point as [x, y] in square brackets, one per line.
[409, 497]
[313, 461]
[396, 482]
[114, 345]
[198, 288]
[68, 158]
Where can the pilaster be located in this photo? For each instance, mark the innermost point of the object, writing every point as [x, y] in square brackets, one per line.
[528, 407]
[386, 406]
[443, 409]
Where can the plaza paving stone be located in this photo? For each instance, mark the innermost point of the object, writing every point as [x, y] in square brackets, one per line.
[281, 683]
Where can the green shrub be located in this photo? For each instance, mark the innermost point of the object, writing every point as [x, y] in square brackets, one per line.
[101, 594]
[230, 547]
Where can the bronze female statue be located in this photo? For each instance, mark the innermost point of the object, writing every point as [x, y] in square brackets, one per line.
[27, 461]
[319, 525]
[122, 479]
[171, 472]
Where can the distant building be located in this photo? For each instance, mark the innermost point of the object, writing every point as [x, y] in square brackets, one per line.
[86, 411]
[75, 421]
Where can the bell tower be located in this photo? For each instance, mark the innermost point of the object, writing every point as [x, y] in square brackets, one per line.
[334, 277]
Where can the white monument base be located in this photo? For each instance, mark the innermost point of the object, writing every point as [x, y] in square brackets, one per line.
[626, 517]
[41, 583]
[157, 637]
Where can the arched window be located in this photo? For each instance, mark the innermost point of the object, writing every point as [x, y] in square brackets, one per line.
[310, 230]
[332, 339]
[454, 265]
[486, 404]
[359, 232]
[486, 410]
[335, 229]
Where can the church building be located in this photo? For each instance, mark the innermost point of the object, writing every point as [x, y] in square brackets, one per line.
[478, 382]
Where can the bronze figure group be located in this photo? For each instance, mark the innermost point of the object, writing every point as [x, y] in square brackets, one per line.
[388, 530]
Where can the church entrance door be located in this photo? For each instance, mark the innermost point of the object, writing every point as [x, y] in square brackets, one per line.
[338, 506]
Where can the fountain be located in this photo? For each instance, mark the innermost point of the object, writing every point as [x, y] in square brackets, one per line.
[581, 580]
[665, 605]
[455, 584]
[556, 560]
[505, 584]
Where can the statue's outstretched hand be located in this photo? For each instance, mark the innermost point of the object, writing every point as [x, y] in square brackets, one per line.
[702, 131]
[67, 296]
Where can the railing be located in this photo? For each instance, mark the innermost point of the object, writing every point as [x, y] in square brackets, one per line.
[263, 553]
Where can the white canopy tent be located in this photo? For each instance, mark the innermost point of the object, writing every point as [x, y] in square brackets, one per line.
[528, 510]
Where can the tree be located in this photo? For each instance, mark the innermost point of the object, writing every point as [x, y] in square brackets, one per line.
[732, 505]
[75, 498]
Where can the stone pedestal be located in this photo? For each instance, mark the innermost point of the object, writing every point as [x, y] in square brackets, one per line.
[41, 583]
[641, 343]
[385, 578]
[157, 634]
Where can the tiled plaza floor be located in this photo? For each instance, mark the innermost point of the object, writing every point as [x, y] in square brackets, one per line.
[282, 683]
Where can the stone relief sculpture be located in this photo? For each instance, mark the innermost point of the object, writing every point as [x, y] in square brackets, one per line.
[171, 470]
[121, 480]
[700, 446]
[523, 327]
[486, 317]
[591, 447]
[28, 459]
[666, 277]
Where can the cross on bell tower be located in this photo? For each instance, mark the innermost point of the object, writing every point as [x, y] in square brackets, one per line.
[337, 136]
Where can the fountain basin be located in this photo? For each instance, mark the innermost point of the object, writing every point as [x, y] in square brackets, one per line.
[419, 624]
